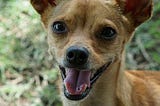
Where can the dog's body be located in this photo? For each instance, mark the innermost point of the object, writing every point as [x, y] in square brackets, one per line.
[87, 39]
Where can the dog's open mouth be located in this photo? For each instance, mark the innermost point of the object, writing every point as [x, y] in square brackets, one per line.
[78, 83]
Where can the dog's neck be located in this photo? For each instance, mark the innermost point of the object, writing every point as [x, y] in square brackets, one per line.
[110, 82]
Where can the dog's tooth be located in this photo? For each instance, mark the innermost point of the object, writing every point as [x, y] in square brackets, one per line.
[67, 70]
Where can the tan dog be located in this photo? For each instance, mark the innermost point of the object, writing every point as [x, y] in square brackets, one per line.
[87, 40]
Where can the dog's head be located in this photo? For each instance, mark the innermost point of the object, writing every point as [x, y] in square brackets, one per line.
[85, 36]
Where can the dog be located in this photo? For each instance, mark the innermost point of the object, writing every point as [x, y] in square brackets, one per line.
[87, 40]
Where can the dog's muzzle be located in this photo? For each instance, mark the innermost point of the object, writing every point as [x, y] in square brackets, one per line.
[77, 77]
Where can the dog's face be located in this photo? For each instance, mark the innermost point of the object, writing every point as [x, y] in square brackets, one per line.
[86, 36]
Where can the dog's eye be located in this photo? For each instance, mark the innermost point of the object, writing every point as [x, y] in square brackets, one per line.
[59, 27]
[107, 33]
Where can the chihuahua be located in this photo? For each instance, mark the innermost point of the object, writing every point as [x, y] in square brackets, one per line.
[87, 40]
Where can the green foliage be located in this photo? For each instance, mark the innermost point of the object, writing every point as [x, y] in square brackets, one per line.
[25, 65]
[143, 52]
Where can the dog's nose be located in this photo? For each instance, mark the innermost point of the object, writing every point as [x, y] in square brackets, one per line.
[77, 56]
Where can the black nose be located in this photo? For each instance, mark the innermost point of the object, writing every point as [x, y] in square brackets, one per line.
[77, 56]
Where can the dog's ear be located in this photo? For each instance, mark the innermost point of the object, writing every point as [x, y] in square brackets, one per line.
[41, 5]
[137, 11]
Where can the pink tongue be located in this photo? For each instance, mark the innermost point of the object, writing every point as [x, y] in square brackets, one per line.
[76, 81]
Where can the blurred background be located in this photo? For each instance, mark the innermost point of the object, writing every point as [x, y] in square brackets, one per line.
[27, 77]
